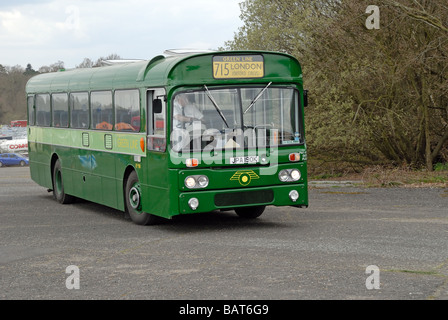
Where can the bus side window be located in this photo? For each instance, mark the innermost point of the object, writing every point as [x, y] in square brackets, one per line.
[79, 108]
[60, 110]
[43, 110]
[101, 109]
[158, 116]
[31, 110]
[156, 121]
[127, 110]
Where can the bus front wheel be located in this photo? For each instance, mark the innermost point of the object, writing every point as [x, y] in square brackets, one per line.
[58, 185]
[133, 200]
[250, 212]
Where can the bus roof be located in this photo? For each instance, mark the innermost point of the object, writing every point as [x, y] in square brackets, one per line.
[171, 69]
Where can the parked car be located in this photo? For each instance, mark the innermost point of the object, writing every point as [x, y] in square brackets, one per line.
[13, 159]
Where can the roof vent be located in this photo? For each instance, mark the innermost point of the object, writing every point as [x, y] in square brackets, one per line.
[115, 62]
[175, 52]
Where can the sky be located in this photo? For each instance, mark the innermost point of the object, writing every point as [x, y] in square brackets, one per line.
[43, 32]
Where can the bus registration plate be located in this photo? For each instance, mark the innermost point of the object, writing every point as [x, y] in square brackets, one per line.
[245, 160]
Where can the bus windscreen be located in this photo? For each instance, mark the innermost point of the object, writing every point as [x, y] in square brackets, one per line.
[236, 118]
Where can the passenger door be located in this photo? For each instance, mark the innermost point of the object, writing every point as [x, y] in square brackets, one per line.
[156, 163]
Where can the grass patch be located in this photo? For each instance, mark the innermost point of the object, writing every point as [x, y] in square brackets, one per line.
[392, 177]
[326, 176]
[441, 167]
[379, 175]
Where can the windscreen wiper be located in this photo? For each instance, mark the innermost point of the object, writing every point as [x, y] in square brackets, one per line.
[216, 105]
[257, 97]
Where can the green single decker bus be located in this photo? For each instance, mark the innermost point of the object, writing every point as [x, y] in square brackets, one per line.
[186, 132]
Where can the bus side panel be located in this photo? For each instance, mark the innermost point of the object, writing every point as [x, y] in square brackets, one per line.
[122, 162]
[39, 155]
[84, 179]
[33, 164]
[64, 156]
[79, 164]
[155, 184]
[155, 201]
[103, 182]
[43, 167]
[92, 177]
[39, 166]
[92, 190]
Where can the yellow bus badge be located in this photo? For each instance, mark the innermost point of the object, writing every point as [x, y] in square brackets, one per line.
[245, 177]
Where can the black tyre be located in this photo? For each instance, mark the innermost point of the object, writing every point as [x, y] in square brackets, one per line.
[22, 163]
[58, 185]
[134, 204]
[250, 212]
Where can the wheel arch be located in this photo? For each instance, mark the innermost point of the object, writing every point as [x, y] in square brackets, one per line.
[127, 172]
[126, 175]
[54, 158]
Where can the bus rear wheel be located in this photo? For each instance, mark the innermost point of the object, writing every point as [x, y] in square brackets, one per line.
[250, 212]
[133, 201]
[58, 185]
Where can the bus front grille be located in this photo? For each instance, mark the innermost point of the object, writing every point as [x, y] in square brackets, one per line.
[244, 198]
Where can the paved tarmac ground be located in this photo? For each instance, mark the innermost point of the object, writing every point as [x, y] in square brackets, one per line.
[328, 251]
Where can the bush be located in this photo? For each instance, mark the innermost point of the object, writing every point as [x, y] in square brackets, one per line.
[441, 167]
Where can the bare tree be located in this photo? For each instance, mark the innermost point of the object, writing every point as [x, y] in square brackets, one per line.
[57, 66]
[86, 63]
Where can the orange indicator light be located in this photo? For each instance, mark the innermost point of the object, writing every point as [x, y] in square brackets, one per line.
[191, 163]
[294, 157]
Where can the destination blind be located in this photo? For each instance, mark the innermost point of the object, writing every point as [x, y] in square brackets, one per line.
[238, 67]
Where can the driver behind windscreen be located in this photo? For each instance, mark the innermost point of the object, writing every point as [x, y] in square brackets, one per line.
[185, 112]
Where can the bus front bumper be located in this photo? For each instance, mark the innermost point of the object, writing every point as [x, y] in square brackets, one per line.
[207, 201]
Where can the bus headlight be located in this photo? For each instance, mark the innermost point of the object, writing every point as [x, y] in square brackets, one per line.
[289, 175]
[294, 195]
[196, 182]
[190, 182]
[295, 175]
[203, 181]
[193, 203]
[283, 176]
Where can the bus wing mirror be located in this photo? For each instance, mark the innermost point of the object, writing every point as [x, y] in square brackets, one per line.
[305, 98]
[157, 106]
